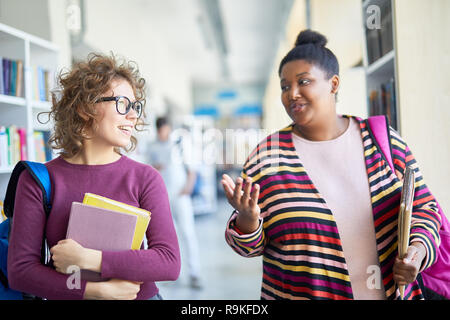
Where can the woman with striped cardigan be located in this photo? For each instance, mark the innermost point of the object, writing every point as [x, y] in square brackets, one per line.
[320, 203]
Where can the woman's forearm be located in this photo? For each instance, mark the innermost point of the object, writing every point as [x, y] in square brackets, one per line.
[93, 291]
[92, 260]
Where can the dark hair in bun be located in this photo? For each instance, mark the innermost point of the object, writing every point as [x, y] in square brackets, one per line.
[310, 46]
[311, 37]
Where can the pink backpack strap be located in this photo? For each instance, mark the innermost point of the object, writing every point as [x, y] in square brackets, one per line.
[435, 278]
[378, 127]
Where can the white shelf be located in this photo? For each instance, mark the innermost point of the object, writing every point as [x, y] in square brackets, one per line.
[6, 170]
[12, 100]
[383, 70]
[381, 62]
[41, 105]
[22, 111]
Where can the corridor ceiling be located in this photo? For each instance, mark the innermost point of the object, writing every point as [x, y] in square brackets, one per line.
[216, 40]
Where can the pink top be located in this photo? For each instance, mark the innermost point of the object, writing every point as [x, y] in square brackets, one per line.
[337, 169]
[124, 180]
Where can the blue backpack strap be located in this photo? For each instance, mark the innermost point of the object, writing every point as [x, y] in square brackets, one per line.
[40, 174]
[4, 231]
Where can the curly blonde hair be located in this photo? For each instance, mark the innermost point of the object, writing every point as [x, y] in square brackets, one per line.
[73, 112]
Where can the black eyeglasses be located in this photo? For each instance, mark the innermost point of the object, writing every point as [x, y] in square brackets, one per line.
[124, 105]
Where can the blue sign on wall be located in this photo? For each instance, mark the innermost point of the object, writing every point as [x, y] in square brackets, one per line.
[248, 109]
[207, 110]
[226, 95]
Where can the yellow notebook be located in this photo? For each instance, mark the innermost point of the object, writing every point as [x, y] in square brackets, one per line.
[143, 216]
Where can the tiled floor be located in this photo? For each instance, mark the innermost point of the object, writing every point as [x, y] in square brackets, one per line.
[226, 275]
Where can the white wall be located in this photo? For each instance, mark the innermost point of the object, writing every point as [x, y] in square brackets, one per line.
[141, 42]
[42, 18]
[58, 31]
[423, 55]
[341, 22]
[28, 16]
[274, 115]
[352, 98]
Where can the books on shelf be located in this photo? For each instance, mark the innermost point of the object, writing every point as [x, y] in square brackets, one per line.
[143, 216]
[22, 143]
[43, 153]
[19, 53]
[2, 83]
[2, 213]
[388, 102]
[43, 82]
[13, 145]
[11, 77]
[4, 151]
[382, 101]
[386, 31]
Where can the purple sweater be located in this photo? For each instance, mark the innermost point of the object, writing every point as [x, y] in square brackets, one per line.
[123, 180]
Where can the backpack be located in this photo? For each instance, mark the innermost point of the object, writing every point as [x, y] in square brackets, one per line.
[40, 174]
[435, 280]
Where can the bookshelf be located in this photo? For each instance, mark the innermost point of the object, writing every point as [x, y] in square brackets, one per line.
[380, 59]
[19, 106]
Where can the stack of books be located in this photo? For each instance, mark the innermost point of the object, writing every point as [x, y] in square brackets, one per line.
[43, 153]
[11, 77]
[382, 102]
[13, 145]
[43, 82]
[104, 224]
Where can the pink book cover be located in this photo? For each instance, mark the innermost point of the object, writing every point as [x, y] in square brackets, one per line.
[23, 143]
[100, 229]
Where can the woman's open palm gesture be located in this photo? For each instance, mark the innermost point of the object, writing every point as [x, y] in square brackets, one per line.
[244, 200]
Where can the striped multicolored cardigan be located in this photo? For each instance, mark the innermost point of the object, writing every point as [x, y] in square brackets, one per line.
[298, 236]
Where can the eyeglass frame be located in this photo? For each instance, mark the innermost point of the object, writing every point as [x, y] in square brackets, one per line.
[131, 105]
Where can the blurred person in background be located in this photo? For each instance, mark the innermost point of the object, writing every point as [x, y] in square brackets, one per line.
[319, 201]
[166, 156]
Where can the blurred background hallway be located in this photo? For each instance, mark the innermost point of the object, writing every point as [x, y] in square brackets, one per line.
[211, 68]
[226, 275]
